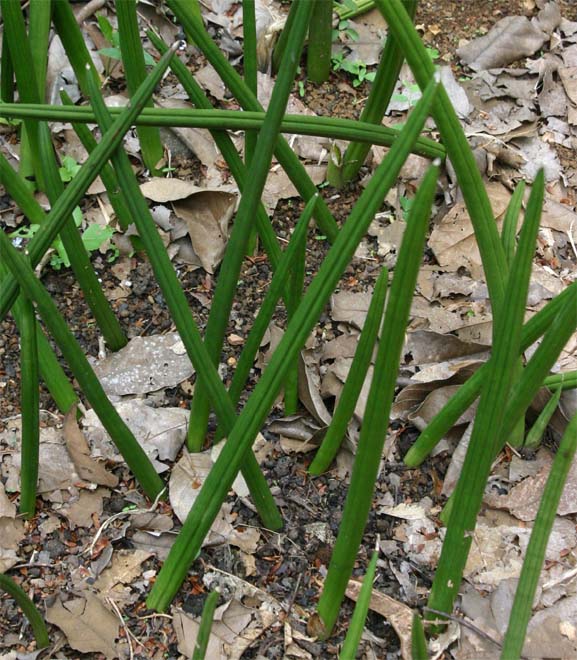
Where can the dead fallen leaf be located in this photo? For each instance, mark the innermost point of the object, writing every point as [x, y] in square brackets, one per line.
[160, 431]
[399, 615]
[77, 446]
[87, 624]
[125, 567]
[510, 39]
[145, 364]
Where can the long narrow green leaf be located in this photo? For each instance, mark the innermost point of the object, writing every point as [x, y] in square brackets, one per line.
[379, 98]
[320, 41]
[243, 223]
[30, 409]
[120, 434]
[469, 391]
[73, 42]
[488, 427]
[283, 40]
[249, 60]
[357, 623]
[375, 418]
[39, 13]
[28, 87]
[203, 634]
[207, 504]
[509, 231]
[106, 173]
[135, 72]
[188, 14]
[566, 380]
[181, 314]
[77, 253]
[419, 650]
[458, 150]
[6, 75]
[535, 555]
[221, 120]
[355, 379]
[262, 321]
[78, 186]
[534, 436]
[39, 629]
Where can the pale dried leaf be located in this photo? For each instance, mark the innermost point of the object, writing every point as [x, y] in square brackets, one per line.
[399, 615]
[87, 624]
[510, 39]
[160, 431]
[77, 446]
[145, 364]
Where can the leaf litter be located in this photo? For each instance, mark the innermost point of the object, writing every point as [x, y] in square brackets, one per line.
[518, 113]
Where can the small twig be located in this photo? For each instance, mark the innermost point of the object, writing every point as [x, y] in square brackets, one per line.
[129, 635]
[291, 601]
[466, 623]
[90, 8]
[120, 514]
[570, 235]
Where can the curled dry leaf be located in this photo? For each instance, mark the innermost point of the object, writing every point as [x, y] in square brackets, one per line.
[397, 614]
[77, 446]
[87, 624]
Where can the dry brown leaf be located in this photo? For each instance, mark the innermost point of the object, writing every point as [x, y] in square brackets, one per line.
[145, 364]
[160, 431]
[125, 567]
[88, 469]
[399, 615]
[89, 503]
[87, 624]
[510, 39]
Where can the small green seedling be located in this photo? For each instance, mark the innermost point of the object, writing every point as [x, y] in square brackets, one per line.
[112, 36]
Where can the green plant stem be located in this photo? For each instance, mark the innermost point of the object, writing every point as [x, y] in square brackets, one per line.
[188, 15]
[283, 40]
[203, 635]
[268, 306]
[458, 150]
[30, 409]
[566, 380]
[224, 471]
[120, 434]
[251, 80]
[355, 380]
[88, 172]
[222, 120]
[535, 555]
[419, 650]
[28, 86]
[296, 283]
[357, 624]
[533, 439]
[135, 72]
[73, 42]
[50, 369]
[181, 314]
[320, 42]
[469, 391]
[490, 417]
[229, 152]
[376, 416]
[379, 98]
[77, 254]
[6, 75]
[344, 11]
[39, 629]
[236, 246]
[39, 14]
[106, 174]
[510, 221]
